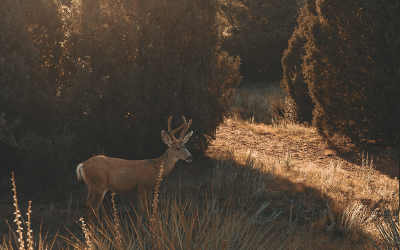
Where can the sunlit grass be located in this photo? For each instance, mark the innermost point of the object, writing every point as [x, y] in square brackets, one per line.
[253, 203]
[258, 103]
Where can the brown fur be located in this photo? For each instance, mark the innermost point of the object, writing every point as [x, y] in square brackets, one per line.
[102, 173]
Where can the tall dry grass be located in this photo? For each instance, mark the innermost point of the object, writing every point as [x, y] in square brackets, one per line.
[234, 214]
[262, 103]
[187, 223]
[24, 235]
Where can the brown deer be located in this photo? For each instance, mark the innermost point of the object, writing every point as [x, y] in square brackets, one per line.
[102, 173]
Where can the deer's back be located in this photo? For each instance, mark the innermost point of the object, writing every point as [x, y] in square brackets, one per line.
[120, 175]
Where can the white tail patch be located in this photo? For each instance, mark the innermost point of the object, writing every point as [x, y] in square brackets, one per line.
[79, 172]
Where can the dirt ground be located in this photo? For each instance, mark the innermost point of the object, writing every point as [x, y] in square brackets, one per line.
[242, 138]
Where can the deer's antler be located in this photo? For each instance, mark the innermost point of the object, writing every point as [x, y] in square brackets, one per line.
[185, 128]
[171, 133]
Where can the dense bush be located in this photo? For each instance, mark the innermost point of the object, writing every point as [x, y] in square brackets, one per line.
[29, 143]
[299, 104]
[24, 101]
[351, 65]
[45, 27]
[23, 89]
[258, 31]
[103, 77]
[135, 65]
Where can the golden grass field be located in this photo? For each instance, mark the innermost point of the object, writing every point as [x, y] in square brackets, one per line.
[266, 185]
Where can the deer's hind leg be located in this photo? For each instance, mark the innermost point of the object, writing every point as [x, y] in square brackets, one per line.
[88, 204]
[93, 201]
[98, 198]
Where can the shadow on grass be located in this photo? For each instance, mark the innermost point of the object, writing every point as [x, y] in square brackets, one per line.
[386, 160]
[248, 195]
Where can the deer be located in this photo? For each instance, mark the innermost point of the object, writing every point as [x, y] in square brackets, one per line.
[101, 173]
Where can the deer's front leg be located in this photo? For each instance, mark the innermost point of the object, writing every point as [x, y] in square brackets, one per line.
[145, 202]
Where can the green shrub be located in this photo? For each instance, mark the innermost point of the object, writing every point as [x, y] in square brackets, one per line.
[136, 63]
[28, 143]
[46, 160]
[103, 77]
[22, 85]
[299, 104]
[45, 29]
[351, 66]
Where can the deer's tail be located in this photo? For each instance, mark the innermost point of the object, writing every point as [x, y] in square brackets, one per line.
[79, 173]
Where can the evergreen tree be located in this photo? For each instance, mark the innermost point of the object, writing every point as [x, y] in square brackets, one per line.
[299, 105]
[352, 67]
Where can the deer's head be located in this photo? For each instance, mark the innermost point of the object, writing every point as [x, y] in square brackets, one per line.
[177, 146]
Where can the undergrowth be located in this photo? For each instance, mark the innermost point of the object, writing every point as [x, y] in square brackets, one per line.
[262, 103]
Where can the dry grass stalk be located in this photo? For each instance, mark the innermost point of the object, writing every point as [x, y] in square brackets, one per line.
[29, 232]
[17, 213]
[116, 222]
[156, 188]
[18, 235]
[18, 221]
[154, 217]
[88, 235]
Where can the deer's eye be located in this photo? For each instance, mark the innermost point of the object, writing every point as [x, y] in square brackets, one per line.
[178, 148]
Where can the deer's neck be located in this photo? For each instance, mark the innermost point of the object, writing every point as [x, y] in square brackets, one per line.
[167, 161]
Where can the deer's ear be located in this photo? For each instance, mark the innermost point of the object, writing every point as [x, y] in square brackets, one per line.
[166, 138]
[187, 137]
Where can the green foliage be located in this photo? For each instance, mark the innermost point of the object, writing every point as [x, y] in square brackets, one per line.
[351, 65]
[24, 101]
[95, 77]
[136, 64]
[258, 31]
[45, 159]
[45, 27]
[21, 79]
[299, 103]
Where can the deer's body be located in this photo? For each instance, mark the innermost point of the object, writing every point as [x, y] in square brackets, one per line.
[102, 173]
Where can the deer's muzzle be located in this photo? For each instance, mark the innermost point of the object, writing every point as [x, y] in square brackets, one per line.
[189, 158]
